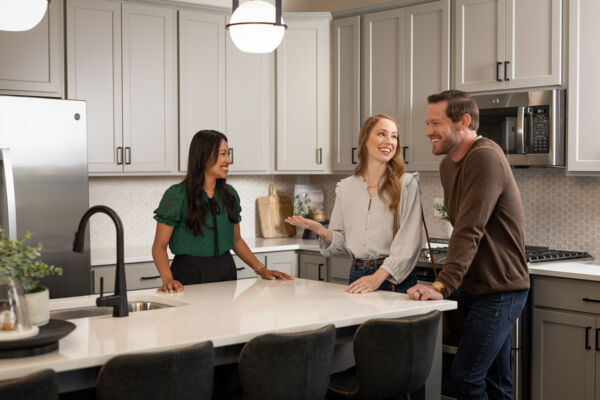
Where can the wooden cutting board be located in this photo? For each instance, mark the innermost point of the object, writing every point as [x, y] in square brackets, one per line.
[272, 211]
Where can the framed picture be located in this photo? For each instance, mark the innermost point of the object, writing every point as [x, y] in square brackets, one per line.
[309, 202]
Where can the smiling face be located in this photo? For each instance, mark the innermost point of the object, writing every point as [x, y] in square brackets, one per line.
[383, 141]
[441, 130]
[220, 168]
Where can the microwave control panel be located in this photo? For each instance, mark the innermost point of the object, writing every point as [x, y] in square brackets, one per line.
[539, 120]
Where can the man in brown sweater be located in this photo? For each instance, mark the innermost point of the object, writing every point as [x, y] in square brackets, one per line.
[485, 268]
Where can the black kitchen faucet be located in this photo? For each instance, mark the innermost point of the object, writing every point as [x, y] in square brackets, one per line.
[118, 301]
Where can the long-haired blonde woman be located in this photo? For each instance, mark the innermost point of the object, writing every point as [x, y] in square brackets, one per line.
[376, 218]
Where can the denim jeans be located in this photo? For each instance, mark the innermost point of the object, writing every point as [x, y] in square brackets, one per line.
[481, 367]
[402, 287]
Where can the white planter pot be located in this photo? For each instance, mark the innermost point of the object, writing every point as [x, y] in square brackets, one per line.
[38, 307]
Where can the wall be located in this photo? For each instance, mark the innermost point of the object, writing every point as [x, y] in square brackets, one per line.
[560, 211]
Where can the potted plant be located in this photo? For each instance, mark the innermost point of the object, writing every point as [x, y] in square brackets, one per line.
[443, 214]
[22, 262]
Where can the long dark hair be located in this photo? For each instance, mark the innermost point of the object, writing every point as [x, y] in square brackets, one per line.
[204, 152]
[395, 167]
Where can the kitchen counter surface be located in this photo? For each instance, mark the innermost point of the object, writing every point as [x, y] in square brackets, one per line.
[134, 254]
[228, 313]
[586, 270]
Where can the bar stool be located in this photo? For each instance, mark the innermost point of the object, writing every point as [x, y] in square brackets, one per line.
[393, 357]
[287, 366]
[185, 373]
[41, 385]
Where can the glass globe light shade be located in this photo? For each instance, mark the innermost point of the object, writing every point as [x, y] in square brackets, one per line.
[256, 38]
[21, 15]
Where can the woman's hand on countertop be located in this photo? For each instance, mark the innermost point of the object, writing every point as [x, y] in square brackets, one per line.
[272, 274]
[368, 283]
[171, 286]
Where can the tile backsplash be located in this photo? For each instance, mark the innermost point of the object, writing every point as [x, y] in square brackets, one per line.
[559, 210]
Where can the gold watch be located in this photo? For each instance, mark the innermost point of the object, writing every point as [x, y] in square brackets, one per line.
[437, 285]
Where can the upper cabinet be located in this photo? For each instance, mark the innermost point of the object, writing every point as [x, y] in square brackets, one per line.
[584, 85]
[303, 95]
[507, 44]
[121, 59]
[31, 62]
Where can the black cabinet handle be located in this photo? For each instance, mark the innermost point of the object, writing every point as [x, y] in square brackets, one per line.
[590, 300]
[353, 153]
[148, 278]
[127, 155]
[320, 266]
[498, 64]
[320, 155]
[597, 339]
[506, 73]
[231, 155]
[119, 155]
[101, 286]
[404, 154]
[240, 268]
[587, 337]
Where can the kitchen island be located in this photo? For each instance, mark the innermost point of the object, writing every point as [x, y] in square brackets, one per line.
[229, 314]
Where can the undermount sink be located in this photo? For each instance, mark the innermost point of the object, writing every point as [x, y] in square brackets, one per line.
[94, 311]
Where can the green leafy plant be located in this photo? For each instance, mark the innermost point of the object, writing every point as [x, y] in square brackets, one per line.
[441, 211]
[21, 261]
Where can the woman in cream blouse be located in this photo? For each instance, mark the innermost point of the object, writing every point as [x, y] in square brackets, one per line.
[362, 221]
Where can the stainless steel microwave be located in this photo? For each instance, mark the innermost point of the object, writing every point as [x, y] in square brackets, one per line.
[529, 126]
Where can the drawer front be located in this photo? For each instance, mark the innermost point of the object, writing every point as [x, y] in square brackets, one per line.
[339, 269]
[137, 276]
[567, 294]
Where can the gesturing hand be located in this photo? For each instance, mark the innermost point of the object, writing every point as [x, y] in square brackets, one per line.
[304, 223]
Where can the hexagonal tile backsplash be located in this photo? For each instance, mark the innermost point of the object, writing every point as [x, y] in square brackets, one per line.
[560, 211]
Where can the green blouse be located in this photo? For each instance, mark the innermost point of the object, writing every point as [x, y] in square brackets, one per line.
[172, 211]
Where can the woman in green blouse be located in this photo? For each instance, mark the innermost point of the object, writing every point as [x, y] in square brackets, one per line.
[199, 220]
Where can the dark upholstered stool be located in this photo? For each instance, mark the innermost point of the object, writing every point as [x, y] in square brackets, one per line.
[42, 385]
[393, 357]
[185, 373]
[287, 366]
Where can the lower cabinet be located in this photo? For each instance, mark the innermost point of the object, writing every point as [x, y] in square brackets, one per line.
[142, 275]
[566, 339]
[338, 269]
[282, 261]
[313, 265]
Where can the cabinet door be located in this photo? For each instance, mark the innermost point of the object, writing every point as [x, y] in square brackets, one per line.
[248, 108]
[338, 270]
[283, 261]
[201, 77]
[32, 61]
[303, 103]
[563, 368]
[94, 65]
[346, 93]
[427, 72]
[533, 43]
[584, 86]
[479, 44]
[383, 68]
[312, 267]
[149, 90]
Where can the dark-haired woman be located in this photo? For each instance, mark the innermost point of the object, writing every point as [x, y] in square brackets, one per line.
[199, 220]
[377, 201]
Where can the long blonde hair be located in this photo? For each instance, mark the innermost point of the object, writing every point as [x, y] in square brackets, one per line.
[394, 168]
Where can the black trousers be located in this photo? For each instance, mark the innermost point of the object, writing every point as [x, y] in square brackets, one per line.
[190, 270]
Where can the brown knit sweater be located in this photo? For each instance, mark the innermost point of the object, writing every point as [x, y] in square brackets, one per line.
[486, 253]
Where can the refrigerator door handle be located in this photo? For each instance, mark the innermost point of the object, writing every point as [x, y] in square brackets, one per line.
[7, 173]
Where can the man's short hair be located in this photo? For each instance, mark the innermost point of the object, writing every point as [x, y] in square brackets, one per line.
[459, 104]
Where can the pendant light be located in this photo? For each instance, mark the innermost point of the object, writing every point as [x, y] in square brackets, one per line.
[21, 15]
[256, 26]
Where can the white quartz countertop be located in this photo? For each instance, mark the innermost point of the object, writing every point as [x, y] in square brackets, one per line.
[227, 313]
[586, 270]
[133, 254]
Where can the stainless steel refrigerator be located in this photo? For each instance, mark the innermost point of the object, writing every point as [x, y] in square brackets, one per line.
[44, 183]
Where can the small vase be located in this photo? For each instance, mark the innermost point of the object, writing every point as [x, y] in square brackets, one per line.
[38, 307]
[449, 229]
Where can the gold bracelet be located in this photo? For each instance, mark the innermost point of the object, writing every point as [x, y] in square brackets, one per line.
[259, 268]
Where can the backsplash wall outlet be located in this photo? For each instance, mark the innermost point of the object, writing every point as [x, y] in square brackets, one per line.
[560, 211]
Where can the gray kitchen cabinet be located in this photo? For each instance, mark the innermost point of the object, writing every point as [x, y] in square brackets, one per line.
[142, 275]
[566, 327]
[303, 94]
[283, 261]
[312, 266]
[127, 76]
[399, 87]
[346, 93]
[338, 269]
[584, 58]
[243, 270]
[507, 44]
[32, 61]
[201, 76]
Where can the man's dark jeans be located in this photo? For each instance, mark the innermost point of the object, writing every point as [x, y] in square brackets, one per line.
[481, 367]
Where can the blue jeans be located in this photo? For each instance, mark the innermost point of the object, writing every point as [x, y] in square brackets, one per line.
[481, 367]
[402, 287]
